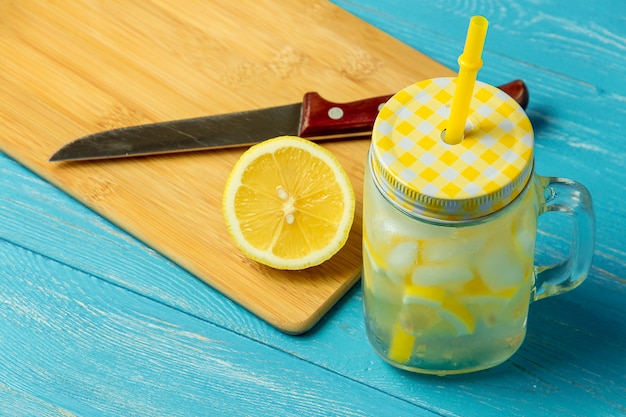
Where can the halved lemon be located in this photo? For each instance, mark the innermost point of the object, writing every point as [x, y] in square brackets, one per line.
[288, 203]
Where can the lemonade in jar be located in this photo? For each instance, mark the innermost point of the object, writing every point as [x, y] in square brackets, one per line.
[448, 297]
[450, 208]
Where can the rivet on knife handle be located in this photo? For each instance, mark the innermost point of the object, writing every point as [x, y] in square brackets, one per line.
[322, 119]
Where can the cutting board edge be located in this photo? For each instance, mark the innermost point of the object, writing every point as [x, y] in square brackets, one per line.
[110, 104]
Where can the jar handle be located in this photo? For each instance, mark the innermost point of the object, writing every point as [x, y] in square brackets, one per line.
[570, 197]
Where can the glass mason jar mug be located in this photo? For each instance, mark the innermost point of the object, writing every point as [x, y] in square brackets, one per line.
[449, 231]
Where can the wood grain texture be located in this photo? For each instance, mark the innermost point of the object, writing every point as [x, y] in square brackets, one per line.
[99, 65]
[57, 258]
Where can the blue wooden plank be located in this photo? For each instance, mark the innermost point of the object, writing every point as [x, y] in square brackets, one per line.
[75, 345]
[339, 344]
[576, 40]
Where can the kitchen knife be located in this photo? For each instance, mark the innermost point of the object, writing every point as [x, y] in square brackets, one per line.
[315, 118]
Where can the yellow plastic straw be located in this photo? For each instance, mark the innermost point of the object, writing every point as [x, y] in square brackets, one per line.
[469, 64]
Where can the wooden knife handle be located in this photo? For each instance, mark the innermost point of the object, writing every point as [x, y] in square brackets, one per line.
[322, 119]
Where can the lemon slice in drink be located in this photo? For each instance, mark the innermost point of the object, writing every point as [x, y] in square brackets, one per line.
[431, 311]
[288, 203]
[428, 313]
[458, 316]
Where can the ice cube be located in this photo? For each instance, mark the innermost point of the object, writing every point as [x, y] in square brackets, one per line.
[401, 259]
[524, 230]
[377, 282]
[454, 249]
[525, 240]
[441, 275]
[381, 232]
[499, 267]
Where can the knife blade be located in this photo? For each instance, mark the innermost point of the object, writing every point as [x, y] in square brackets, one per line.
[315, 118]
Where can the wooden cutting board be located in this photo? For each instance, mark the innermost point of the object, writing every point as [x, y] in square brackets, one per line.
[74, 68]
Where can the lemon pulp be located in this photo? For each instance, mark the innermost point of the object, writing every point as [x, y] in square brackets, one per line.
[288, 203]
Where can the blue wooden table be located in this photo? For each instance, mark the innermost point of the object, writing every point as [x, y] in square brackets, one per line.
[116, 329]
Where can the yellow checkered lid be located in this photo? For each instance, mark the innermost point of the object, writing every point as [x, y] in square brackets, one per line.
[423, 174]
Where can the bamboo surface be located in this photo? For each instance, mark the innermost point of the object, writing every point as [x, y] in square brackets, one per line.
[75, 68]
